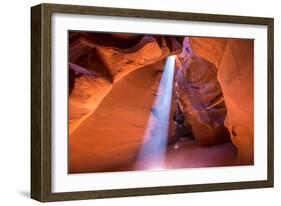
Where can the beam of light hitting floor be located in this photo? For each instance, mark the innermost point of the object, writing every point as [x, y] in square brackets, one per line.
[153, 150]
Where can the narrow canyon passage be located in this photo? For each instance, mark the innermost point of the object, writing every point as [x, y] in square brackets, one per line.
[130, 108]
[122, 123]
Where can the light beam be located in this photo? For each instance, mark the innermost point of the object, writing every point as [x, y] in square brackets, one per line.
[152, 153]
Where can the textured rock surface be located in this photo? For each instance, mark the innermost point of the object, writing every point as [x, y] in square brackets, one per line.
[211, 49]
[112, 90]
[200, 97]
[236, 77]
[87, 91]
[113, 81]
[97, 61]
[114, 132]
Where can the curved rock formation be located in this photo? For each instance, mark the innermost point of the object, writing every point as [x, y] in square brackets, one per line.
[97, 61]
[113, 84]
[235, 62]
[200, 97]
[114, 132]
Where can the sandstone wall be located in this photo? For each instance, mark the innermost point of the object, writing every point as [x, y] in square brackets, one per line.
[234, 59]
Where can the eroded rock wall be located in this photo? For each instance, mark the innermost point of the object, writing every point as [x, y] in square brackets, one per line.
[200, 97]
[234, 59]
[97, 61]
[113, 83]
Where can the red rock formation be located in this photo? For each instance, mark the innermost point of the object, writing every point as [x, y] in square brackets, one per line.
[112, 89]
[200, 97]
[87, 90]
[99, 60]
[234, 59]
[113, 81]
[211, 49]
[114, 132]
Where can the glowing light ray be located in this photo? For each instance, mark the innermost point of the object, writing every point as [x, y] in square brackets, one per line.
[152, 153]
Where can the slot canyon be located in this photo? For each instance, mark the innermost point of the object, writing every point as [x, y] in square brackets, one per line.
[145, 102]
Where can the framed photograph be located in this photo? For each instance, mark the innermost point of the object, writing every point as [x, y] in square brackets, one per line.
[130, 102]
